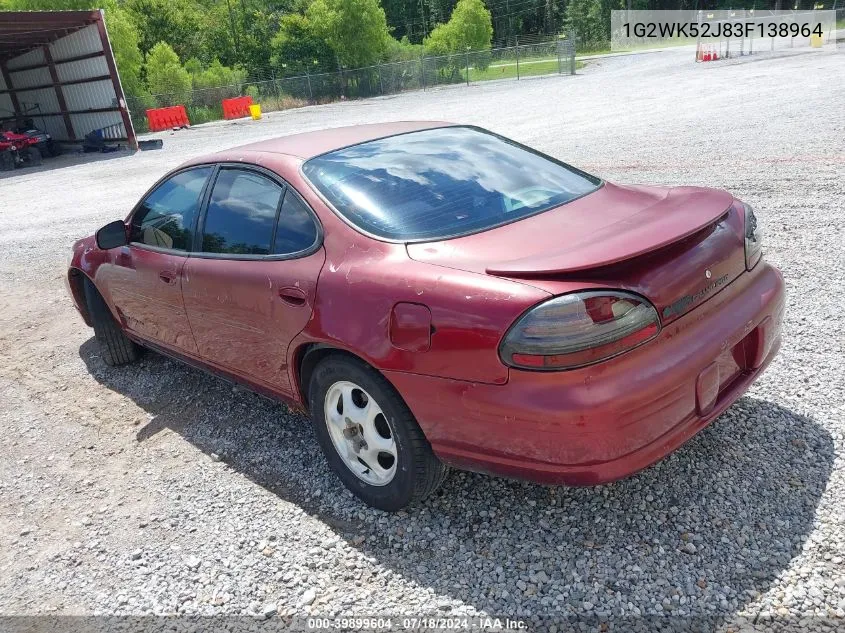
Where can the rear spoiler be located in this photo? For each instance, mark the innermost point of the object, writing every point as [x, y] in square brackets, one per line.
[650, 230]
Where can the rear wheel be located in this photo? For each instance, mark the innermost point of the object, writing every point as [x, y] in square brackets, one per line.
[369, 436]
[7, 161]
[115, 346]
[32, 156]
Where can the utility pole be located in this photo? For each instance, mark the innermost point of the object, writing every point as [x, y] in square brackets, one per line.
[422, 15]
[510, 23]
[234, 32]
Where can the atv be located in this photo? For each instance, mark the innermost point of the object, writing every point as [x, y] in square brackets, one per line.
[18, 150]
[45, 143]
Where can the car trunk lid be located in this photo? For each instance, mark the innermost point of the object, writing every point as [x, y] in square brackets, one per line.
[675, 246]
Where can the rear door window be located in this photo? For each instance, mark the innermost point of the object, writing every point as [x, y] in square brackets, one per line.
[241, 213]
[165, 219]
[296, 231]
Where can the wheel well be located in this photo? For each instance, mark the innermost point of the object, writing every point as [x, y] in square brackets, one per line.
[76, 280]
[307, 359]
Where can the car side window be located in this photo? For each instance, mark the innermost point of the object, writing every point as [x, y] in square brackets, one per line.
[241, 213]
[166, 216]
[296, 230]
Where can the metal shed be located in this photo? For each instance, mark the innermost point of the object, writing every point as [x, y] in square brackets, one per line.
[57, 69]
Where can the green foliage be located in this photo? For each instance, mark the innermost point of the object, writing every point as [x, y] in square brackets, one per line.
[585, 17]
[252, 91]
[403, 51]
[55, 5]
[257, 29]
[166, 76]
[215, 75]
[591, 19]
[193, 66]
[469, 28]
[213, 83]
[356, 30]
[473, 21]
[297, 48]
[177, 22]
[204, 114]
[124, 38]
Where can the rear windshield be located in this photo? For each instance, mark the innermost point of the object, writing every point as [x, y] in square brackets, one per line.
[442, 183]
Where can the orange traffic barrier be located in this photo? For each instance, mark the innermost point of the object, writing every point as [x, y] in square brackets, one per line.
[709, 54]
[236, 108]
[165, 118]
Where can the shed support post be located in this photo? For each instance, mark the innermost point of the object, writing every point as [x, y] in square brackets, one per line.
[60, 95]
[115, 78]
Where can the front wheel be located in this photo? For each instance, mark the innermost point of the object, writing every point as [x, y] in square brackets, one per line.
[116, 347]
[369, 436]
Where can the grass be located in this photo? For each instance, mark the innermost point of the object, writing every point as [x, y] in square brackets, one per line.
[527, 68]
[271, 103]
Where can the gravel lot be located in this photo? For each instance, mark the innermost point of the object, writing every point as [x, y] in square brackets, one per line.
[154, 489]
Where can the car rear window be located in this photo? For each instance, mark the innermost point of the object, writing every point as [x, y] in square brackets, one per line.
[441, 183]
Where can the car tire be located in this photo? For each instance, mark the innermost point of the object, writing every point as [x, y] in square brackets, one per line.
[32, 156]
[416, 470]
[7, 161]
[116, 347]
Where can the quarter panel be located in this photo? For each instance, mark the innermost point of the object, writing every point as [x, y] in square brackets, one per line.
[364, 279]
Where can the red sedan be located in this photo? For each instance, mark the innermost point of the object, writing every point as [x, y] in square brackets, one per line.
[436, 295]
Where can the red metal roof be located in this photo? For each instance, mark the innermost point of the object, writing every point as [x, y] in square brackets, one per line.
[21, 31]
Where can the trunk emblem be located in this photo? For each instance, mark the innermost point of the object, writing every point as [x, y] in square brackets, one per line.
[708, 274]
[683, 303]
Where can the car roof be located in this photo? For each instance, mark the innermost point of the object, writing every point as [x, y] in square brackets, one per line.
[306, 145]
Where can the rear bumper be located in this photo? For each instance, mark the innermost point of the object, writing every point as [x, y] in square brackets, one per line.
[601, 423]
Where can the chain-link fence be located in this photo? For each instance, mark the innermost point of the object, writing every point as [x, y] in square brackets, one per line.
[763, 32]
[555, 56]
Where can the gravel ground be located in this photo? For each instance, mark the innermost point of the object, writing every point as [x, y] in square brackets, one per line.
[155, 489]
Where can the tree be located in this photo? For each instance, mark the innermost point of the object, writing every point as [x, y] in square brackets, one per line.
[124, 37]
[215, 75]
[177, 22]
[166, 76]
[297, 49]
[214, 83]
[588, 19]
[356, 30]
[469, 28]
[258, 29]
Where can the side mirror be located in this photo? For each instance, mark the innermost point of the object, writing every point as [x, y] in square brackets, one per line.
[112, 235]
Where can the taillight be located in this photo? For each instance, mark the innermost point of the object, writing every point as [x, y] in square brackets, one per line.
[753, 238]
[579, 329]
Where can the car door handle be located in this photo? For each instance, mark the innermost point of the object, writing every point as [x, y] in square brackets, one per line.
[293, 296]
[167, 276]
